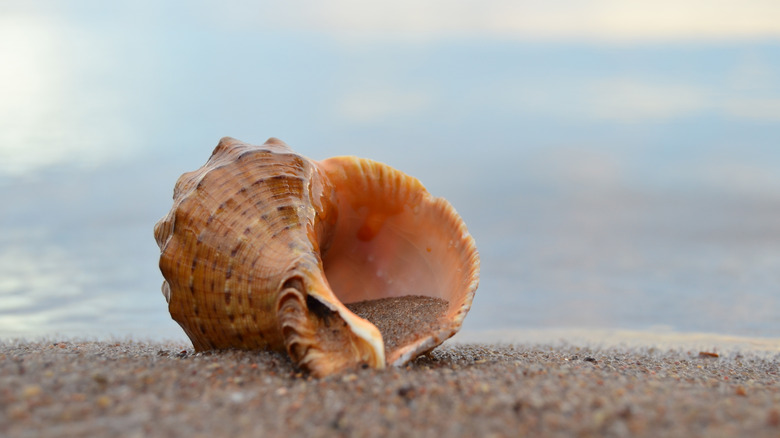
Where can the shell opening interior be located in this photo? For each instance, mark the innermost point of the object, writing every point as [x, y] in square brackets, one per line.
[395, 260]
[397, 271]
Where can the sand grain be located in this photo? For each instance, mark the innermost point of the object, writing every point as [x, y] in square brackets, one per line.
[70, 388]
[401, 320]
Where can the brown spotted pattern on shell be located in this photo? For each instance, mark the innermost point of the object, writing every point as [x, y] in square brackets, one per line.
[267, 249]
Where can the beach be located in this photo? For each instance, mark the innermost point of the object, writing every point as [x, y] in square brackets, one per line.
[135, 389]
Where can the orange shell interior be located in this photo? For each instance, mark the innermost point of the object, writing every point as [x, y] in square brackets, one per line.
[394, 239]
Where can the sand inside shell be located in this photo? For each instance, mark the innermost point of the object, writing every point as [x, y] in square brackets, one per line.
[401, 320]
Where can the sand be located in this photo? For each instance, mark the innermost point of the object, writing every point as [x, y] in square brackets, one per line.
[76, 388]
[420, 315]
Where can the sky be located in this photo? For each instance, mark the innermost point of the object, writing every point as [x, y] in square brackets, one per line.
[615, 21]
[612, 21]
[41, 40]
[525, 115]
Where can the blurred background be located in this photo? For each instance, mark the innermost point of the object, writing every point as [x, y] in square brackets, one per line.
[617, 162]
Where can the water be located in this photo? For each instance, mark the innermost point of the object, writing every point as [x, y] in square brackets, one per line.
[609, 184]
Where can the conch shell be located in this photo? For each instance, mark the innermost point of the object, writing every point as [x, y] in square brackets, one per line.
[267, 249]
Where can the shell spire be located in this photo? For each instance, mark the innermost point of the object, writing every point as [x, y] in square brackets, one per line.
[266, 249]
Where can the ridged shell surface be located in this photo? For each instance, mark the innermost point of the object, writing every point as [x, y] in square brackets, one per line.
[267, 249]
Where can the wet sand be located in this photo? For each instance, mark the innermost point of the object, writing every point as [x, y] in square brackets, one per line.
[128, 388]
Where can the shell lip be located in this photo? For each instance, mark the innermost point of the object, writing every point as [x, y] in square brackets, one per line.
[360, 327]
[308, 325]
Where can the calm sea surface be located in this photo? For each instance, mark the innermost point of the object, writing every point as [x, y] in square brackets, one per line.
[608, 186]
